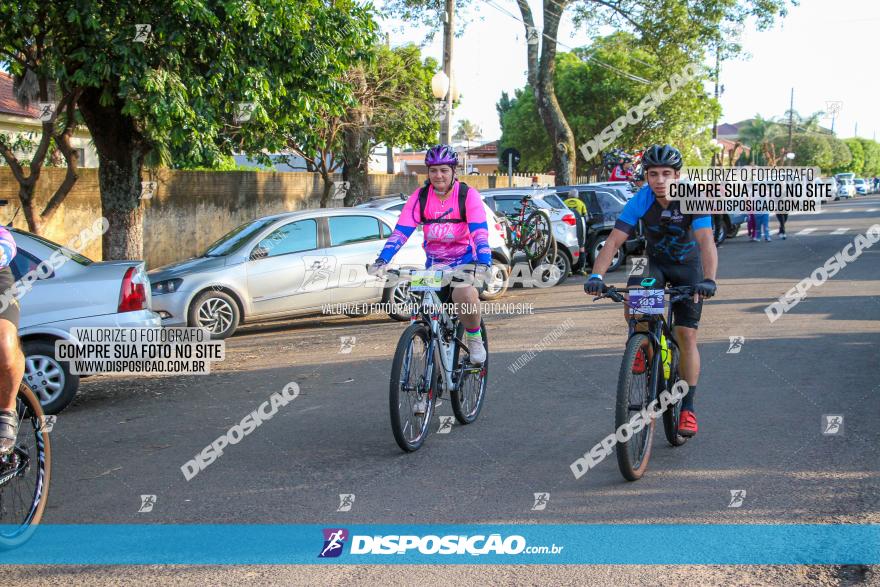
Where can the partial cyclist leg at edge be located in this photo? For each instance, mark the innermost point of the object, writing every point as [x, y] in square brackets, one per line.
[11, 373]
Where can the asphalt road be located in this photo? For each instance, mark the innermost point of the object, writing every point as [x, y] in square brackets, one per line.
[760, 410]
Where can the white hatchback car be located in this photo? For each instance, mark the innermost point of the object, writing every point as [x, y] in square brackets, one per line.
[80, 293]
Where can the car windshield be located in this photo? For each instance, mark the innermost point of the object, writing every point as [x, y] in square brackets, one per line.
[236, 238]
[81, 259]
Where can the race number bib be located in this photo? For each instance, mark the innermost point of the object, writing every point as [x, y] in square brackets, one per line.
[646, 301]
[426, 281]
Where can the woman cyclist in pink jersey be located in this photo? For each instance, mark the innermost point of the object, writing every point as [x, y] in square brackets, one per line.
[449, 241]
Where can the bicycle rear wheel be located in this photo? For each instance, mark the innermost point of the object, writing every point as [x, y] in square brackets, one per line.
[25, 473]
[537, 236]
[469, 393]
[672, 413]
[634, 393]
[411, 383]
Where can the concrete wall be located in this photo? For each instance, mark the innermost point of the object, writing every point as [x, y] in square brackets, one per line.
[191, 209]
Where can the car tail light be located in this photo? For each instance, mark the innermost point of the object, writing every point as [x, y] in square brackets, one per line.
[133, 295]
[569, 219]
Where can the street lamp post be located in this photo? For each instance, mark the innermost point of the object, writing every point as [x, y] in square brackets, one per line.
[440, 89]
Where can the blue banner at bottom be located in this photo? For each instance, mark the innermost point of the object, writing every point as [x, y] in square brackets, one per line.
[135, 544]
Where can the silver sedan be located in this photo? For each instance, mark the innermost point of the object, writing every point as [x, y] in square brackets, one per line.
[280, 266]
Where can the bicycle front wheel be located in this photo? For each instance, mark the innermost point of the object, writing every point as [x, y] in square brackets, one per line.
[411, 384]
[470, 391]
[24, 473]
[537, 235]
[634, 393]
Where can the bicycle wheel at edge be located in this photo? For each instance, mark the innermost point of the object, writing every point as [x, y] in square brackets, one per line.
[539, 239]
[32, 457]
[399, 399]
[466, 408]
[672, 413]
[633, 455]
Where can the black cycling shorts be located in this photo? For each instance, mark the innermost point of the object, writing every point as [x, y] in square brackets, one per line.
[12, 311]
[685, 312]
[460, 274]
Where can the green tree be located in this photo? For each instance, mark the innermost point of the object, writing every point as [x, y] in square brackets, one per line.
[32, 67]
[810, 150]
[592, 97]
[871, 151]
[521, 128]
[393, 105]
[686, 26]
[182, 82]
[761, 135]
[857, 154]
[840, 155]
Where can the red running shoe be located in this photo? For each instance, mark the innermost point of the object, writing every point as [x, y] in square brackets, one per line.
[687, 424]
[640, 364]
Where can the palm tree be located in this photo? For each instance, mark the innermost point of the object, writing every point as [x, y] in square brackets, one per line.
[467, 131]
[759, 133]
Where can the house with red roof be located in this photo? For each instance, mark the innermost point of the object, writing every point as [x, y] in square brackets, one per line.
[16, 119]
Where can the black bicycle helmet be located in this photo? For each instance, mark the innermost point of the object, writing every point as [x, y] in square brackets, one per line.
[661, 156]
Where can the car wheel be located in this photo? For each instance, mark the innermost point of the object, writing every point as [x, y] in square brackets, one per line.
[596, 245]
[556, 272]
[734, 231]
[720, 228]
[497, 281]
[400, 299]
[215, 311]
[50, 379]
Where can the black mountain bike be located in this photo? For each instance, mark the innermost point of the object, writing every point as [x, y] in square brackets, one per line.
[431, 360]
[642, 380]
[529, 230]
[24, 473]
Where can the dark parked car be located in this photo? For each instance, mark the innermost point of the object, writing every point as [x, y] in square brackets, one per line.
[604, 206]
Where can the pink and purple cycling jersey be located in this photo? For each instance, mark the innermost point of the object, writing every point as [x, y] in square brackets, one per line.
[446, 243]
[7, 247]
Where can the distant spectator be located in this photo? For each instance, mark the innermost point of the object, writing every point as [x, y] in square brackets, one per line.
[781, 218]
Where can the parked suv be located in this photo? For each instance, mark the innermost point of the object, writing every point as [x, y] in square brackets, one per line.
[562, 221]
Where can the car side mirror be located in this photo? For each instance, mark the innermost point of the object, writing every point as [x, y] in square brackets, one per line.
[259, 253]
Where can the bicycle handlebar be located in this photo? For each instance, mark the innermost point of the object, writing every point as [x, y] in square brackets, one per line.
[675, 293]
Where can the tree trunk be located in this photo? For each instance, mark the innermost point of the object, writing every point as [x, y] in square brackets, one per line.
[356, 166]
[328, 187]
[26, 196]
[542, 76]
[121, 149]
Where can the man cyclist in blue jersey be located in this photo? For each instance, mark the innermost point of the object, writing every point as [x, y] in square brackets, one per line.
[681, 251]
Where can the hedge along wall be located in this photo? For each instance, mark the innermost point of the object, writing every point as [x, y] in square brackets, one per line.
[191, 209]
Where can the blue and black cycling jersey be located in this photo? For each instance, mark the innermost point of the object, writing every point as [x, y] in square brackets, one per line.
[671, 241]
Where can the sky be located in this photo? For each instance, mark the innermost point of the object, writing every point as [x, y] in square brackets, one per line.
[822, 49]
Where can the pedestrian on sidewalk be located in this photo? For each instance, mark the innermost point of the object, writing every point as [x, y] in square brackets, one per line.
[750, 224]
[782, 218]
[762, 226]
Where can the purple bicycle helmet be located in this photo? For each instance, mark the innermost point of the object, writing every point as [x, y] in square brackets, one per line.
[441, 155]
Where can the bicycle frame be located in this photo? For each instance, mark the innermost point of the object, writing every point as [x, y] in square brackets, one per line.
[441, 349]
[658, 326]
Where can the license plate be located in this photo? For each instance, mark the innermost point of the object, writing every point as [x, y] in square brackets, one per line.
[426, 281]
[646, 301]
